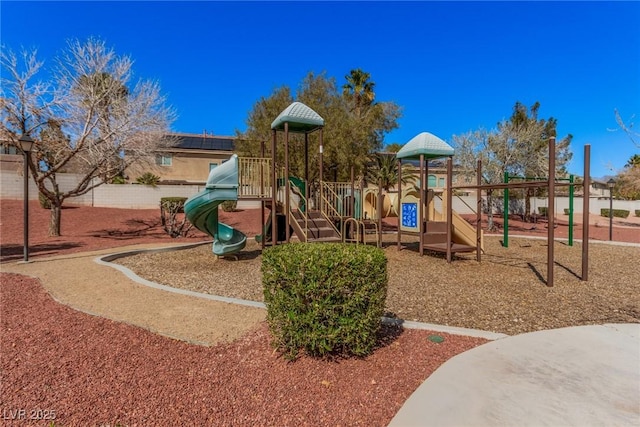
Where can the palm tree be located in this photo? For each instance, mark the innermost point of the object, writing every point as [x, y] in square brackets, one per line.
[383, 170]
[359, 90]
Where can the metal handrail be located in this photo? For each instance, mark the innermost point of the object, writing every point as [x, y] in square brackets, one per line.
[304, 213]
[324, 202]
[359, 224]
[357, 233]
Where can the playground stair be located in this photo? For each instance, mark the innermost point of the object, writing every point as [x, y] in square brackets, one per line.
[435, 239]
[318, 227]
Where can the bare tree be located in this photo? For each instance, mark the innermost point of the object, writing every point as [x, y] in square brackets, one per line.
[496, 153]
[90, 118]
[627, 127]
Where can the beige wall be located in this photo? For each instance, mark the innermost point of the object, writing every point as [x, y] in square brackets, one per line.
[188, 166]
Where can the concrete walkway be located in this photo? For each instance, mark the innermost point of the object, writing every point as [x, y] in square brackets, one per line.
[577, 376]
[77, 280]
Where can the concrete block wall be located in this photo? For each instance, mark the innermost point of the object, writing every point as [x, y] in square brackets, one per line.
[134, 196]
[126, 196]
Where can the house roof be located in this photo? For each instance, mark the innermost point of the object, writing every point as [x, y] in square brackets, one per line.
[426, 144]
[204, 142]
[299, 117]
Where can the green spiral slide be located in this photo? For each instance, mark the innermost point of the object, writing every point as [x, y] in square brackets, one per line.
[202, 208]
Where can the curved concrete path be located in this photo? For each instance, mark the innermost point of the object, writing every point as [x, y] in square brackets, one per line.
[78, 281]
[578, 376]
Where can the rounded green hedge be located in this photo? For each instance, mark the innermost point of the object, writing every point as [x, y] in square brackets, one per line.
[324, 298]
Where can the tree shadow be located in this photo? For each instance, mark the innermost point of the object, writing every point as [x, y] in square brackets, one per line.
[137, 228]
[242, 256]
[13, 252]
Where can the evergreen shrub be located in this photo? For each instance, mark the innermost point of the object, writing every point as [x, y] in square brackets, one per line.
[618, 213]
[229, 205]
[325, 299]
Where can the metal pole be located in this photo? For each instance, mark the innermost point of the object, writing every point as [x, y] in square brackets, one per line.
[274, 190]
[505, 213]
[286, 181]
[585, 212]
[449, 207]
[399, 199]
[571, 210]
[379, 209]
[262, 199]
[551, 210]
[26, 206]
[421, 207]
[610, 213]
[479, 213]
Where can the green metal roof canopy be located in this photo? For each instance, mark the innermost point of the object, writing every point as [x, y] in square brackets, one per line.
[300, 118]
[427, 144]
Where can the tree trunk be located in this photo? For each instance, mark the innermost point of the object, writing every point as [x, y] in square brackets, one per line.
[490, 226]
[55, 218]
[527, 205]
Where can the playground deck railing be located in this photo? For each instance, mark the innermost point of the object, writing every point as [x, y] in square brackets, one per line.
[303, 212]
[328, 203]
[254, 177]
[337, 199]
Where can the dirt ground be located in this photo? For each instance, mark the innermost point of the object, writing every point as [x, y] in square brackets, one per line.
[89, 228]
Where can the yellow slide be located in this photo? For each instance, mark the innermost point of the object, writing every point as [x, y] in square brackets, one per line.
[463, 232]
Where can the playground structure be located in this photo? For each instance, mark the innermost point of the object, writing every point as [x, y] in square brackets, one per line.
[335, 212]
[344, 212]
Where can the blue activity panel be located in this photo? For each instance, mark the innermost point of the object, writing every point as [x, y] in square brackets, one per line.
[410, 215]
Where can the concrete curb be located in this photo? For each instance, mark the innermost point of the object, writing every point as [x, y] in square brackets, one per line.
[106, 260]
[564, 239]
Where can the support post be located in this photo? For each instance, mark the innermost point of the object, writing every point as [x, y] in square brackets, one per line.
[321, 166]
[610, 214]
[264, 236]
[306, 170]
[449, 207]
[421, 207]
[551, 210]
[585, 212]
[353, 193]
[286, 182]
[274, 191]
[399, 198]
[570, 210]
[505, 213]
[25, 196]
[479, 212]
[379, 209]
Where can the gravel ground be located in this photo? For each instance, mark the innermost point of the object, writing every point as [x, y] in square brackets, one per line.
[66, 368]
[87, 370]
[505, 293]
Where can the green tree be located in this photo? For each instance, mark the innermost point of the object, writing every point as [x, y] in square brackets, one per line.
[518, 146]
[358, 90]
[89, 118]
[348, 139]
[530, 136]
[628, 181]
[393, 147]
[634, 161]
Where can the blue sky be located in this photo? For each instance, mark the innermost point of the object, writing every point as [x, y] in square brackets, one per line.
[452, 66]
